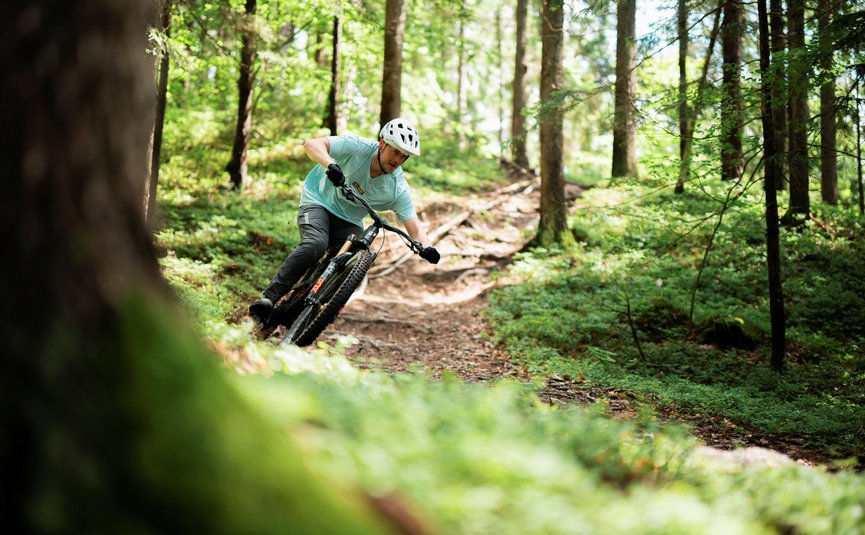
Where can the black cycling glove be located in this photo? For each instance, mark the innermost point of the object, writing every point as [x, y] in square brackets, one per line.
[334, 174]
[430, 255]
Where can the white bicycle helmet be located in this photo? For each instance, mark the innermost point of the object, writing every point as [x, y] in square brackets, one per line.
[401, 134]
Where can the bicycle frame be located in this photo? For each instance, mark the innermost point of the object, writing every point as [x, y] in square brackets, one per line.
[354, 243]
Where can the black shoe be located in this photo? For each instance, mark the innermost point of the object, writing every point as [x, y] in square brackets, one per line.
[261, 309]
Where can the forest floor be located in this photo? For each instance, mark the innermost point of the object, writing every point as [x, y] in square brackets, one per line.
[417, 317]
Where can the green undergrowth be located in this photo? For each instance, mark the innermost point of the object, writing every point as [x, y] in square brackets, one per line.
[475, 459]
[616, 312]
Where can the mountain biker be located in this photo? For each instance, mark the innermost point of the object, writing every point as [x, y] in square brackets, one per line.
[326, 218]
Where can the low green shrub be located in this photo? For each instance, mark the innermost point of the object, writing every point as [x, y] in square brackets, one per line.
[631, 293]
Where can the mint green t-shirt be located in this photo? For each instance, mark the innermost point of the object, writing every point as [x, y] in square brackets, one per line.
[354, 156]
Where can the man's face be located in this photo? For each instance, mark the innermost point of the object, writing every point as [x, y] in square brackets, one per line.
[391, 158]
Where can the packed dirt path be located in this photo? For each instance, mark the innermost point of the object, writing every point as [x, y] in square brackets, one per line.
[421, 317]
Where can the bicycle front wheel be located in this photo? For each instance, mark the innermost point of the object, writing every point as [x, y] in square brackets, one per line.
[333, 295]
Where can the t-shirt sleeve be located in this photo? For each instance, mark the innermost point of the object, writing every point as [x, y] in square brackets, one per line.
[342, 147]
[404, 205]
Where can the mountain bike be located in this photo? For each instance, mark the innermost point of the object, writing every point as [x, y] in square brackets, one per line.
[321, 293]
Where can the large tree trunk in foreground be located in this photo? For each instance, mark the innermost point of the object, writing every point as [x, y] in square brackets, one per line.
[391, 84]
[237, 167]
[624, 125]
[114, 418]
[553, 222]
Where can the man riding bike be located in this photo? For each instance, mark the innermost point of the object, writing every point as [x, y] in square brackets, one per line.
[325, 218]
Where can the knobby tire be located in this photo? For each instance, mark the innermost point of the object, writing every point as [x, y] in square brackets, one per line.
[314, 318]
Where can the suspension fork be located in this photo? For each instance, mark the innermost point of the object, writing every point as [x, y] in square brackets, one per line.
[335, 263]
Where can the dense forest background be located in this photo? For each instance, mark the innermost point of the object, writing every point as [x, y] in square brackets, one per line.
[708, 270]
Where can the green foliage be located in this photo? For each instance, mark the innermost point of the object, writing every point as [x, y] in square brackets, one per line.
[576, 313]
[466, 458]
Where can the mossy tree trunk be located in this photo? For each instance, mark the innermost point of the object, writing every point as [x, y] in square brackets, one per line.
[114, 418]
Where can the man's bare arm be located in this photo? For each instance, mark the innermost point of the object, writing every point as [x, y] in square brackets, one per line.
[414, 229]
[318, 150]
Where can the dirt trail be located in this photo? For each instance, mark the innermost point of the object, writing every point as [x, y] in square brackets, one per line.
[425, 317]
[420, 317]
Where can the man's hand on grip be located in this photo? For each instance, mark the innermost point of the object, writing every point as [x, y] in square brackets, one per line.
[430, 255]
[334, 174]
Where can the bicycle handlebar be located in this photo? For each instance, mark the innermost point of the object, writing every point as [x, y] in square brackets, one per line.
[349, 194]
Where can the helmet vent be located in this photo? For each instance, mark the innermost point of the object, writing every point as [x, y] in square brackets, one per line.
[400, 134]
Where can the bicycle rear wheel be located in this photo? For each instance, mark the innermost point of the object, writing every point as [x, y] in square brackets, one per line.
[333, 295]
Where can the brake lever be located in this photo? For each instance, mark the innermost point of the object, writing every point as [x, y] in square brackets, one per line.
[347, 193]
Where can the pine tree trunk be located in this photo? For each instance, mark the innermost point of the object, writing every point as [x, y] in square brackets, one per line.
[773, 167]
[624, 127]
[553, 223]
[462, 82]
[518, 123]
[394, 28]
[688, 146]
[319, 51]
[800, 204]
[779, 90]
[500, 93]
[159, 119]
[858, 120]
[732, 159]
[684, 131]
[237, 167]
[828, 154]
[333, 98]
